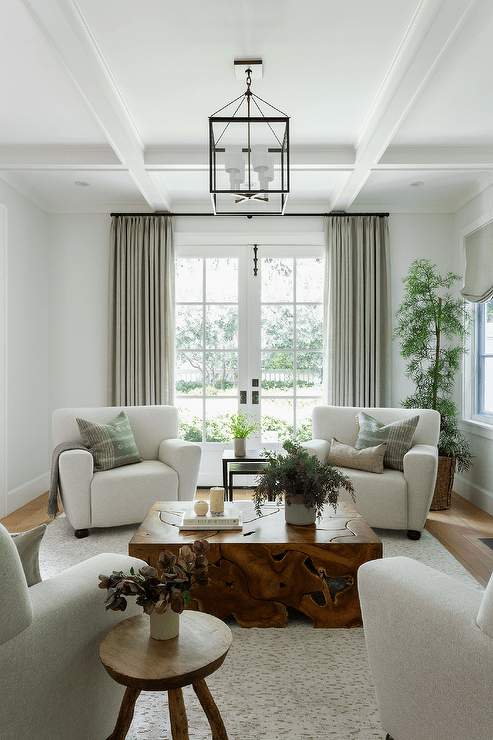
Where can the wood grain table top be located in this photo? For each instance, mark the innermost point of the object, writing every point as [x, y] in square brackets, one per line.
[346, 525]
[133, 658]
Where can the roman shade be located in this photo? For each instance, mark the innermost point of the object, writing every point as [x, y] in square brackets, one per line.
[478, 280]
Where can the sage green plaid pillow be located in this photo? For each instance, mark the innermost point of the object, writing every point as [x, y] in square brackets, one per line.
[112, 444]
[398, 435]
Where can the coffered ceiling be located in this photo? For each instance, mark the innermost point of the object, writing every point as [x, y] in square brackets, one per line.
[104, 104]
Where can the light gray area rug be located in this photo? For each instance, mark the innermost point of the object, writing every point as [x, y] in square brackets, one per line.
[297, 683]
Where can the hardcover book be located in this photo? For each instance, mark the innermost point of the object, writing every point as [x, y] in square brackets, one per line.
[230, 520]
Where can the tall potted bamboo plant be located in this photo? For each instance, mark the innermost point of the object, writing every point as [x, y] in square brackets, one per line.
[432, 327]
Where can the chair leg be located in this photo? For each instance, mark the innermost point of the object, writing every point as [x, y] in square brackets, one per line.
[413, 534]
[80, 533]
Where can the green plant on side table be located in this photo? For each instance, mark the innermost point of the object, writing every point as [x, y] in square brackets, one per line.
[241, 425]
[432, 327]
[304, 483]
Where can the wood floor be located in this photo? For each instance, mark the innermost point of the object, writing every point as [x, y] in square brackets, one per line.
[459, 529]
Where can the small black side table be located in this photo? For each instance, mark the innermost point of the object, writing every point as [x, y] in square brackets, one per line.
[251, 464]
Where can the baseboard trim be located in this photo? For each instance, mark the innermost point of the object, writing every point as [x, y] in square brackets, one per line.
[474, 493]
[27, 492]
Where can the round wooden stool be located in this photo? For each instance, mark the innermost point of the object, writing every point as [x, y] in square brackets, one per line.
[133, 658]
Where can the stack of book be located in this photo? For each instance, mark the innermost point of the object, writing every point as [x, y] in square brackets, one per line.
[231, 519]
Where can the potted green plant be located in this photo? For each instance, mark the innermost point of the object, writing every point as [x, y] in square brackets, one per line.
[241, 425]
[163, 593]
[304, 483]
[432, 327]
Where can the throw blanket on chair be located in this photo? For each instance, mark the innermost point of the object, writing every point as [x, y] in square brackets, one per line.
[53, 497]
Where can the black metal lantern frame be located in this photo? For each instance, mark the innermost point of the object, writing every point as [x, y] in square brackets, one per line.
[249, 157]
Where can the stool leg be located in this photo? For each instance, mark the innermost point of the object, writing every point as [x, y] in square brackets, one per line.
[211, 710]
[125, 715]
[177, 715]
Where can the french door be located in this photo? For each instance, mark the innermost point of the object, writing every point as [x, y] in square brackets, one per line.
[249, 335]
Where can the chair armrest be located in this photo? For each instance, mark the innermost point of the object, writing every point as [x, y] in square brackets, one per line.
[427, 655]
[56, 659]
[184, 457]
[420, 471]
[75, 596]
[76, 469]
[317, 447]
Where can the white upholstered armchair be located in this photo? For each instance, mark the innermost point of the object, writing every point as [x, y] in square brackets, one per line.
[53, 684]
[430, 646]
[393, 499]
[124, 494]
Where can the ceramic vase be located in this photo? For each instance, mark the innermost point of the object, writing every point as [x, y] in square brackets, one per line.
[296, 512]
[240, 446]
[164, 626]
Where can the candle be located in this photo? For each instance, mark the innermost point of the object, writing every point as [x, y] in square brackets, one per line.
[217, 500]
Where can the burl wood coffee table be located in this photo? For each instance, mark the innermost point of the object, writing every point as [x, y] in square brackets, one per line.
[258, 572]
[134, 659]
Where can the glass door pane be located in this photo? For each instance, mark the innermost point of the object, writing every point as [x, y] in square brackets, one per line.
[291, 298]
[254, 339]
[206, 373]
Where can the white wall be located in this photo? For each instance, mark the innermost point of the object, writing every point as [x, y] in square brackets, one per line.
[25, 426]
[79, 309]
[477, 484]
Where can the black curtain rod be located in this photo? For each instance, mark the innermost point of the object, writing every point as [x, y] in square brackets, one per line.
[253, 215]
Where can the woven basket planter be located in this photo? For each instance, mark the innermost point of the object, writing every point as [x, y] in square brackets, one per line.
[445, 480]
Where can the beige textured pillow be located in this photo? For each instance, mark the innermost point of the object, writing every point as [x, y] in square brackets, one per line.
[27, 544]
[369, 459]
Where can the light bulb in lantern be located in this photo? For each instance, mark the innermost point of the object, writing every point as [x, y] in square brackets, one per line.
[235, 166]
[260, 161]
[268, 175]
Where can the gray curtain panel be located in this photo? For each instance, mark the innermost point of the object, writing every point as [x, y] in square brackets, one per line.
[358, 325]
[141, 311]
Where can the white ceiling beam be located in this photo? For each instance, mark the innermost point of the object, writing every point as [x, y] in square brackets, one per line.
[431, 31]
[436, 157]
[58, 157]
[197, 157]
[62, 23]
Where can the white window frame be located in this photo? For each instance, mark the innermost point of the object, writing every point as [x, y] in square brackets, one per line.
[479, 424]
[479, 413]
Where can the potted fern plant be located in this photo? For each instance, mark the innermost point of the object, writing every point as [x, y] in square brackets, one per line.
[432, 327]
[304, 483]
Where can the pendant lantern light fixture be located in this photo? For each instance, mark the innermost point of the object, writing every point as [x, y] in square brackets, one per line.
[249, 153]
